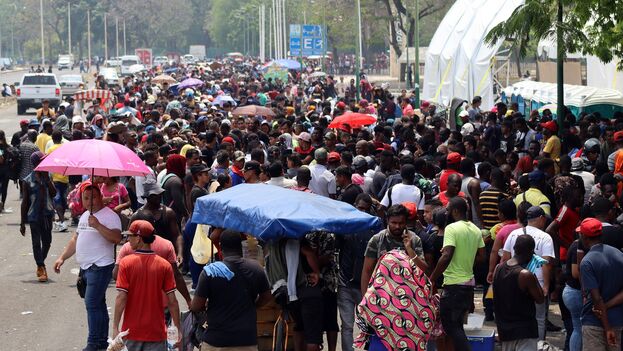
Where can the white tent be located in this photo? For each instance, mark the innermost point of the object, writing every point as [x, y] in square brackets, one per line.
[458, 62]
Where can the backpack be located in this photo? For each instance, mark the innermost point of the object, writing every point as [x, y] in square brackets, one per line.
[13, 159]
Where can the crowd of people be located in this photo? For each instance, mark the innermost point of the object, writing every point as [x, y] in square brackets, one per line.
[521, 211]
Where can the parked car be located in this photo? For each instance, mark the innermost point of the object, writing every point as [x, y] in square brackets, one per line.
[161, 61]
[127, 62]
[71, 84]
[113, 62]
[36, 87]
[65, 62]
[6, 63]
[111, 76]
[189, 59]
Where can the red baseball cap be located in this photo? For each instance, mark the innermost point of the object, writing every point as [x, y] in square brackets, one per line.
[551, 126]
[334, 156]
[618, 136]
[24, 122]
[425, 104]
[341, 105]
[453, 157]
[590, 227]
[141, 227]
[412, 208]
[229, 139]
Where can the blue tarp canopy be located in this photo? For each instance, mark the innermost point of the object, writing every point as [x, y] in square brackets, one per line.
[270, 212]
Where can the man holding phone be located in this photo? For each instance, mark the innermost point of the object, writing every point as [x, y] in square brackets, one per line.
[396, 236]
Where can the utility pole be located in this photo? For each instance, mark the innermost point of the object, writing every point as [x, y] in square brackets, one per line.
[117, 34]
[125, 49]
[417, 53]
[270, 32]
[41, 24]
[560, 104]
[69, 27]
[359, 53]
[284, 32]
[408, 69]
[89, 40]
[324, 35]
[105, 37]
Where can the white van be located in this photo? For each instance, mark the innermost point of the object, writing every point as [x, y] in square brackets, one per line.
[127, 62]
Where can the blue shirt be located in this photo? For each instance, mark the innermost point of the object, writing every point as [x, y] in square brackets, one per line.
[602, 269]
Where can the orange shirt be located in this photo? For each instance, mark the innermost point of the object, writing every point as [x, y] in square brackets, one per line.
[443, 178]
[145, 276]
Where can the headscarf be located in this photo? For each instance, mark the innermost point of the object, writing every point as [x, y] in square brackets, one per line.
[62, 123]
[176, 164]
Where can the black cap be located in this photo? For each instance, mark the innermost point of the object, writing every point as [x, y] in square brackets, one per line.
[198, 168]
[535, 212]
[253, 165]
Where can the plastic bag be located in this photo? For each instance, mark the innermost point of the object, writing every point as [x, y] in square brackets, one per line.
[118, 344]
[202, 249]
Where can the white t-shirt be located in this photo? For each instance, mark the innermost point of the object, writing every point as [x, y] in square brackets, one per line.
[322, 181]
[544, 245]
[91, 247]
[404, 193]
[589, 181]
[139, 181]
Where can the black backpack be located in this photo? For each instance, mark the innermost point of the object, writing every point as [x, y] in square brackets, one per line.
[13, 160]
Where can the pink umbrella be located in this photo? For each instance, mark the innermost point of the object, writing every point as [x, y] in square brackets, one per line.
[95, 158]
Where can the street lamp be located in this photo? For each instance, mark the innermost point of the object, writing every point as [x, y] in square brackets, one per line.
[417, 53]
[41, 23]
[359, 54]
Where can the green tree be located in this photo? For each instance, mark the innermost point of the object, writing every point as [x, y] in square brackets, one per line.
[538, 19]
[401, 18]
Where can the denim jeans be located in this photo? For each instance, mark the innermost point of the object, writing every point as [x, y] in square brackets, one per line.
[456, 301]
[573, 301]
[347, 299]
[41, 235]
[97, 279]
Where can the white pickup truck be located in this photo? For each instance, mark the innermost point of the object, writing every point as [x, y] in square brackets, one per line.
[36, 87]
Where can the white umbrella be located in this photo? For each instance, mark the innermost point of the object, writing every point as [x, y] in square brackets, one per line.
[221, 99]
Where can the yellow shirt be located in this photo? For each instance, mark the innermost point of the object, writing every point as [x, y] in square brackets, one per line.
[536, 198]
[552, 147]
[55, 176]
[42, 140]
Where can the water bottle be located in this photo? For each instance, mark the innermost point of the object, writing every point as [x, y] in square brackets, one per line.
[171, 337]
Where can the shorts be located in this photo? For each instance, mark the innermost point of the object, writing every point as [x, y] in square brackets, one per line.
[593, 338]
[133, 345]
[60, 200]
[329, 312]
[307, 313]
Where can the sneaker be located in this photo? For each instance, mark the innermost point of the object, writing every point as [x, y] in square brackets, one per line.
[62, 227]
[551, 327]
[55, 226]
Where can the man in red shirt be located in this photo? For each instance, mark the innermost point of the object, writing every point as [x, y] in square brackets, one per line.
[453, 160]
[562, 228]
[142, 278]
